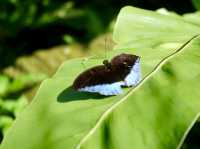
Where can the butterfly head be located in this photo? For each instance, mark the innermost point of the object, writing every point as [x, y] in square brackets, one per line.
[107, 64]
[125, 61]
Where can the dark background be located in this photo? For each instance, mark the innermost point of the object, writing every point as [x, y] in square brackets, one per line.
[30, 25]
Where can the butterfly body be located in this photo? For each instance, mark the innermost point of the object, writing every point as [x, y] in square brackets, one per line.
[107, 79]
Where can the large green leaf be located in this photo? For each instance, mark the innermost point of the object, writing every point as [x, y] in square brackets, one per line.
[158, 113]
[136, 28]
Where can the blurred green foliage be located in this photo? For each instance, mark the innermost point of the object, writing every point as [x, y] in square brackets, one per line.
[12, 101]
[30, 25]
[196, 4]
[19, 15]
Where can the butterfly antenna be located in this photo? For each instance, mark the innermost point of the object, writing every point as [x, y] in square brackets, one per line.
[105, 48]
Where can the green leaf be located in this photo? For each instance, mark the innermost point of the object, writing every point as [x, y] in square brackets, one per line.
[157, 114]
[136, 28]
[25, 81]
[196, 4]
[4, 83]
[13, 105]
[5, 123]
[193, 18]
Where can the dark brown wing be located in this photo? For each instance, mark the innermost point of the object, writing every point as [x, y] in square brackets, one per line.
[99, 75]
[118, 69]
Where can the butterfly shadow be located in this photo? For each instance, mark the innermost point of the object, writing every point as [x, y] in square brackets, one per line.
[69, 94]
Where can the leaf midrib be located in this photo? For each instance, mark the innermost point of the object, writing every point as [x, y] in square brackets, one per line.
[133, 89]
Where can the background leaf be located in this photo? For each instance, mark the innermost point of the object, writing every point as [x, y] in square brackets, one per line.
[156, 114]
[138, 28]
[196, 4]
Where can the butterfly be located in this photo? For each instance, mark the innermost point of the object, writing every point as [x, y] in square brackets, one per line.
[108, 79]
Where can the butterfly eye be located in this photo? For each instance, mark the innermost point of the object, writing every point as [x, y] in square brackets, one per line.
[125, 63]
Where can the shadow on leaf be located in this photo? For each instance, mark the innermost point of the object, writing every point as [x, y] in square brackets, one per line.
[69, 94]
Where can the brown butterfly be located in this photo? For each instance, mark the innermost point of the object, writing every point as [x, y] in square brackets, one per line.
[107, 79]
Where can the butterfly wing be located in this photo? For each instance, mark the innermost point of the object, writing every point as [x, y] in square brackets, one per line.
[104, 89]
[124, 71]
[133, 78]
[100, 80]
